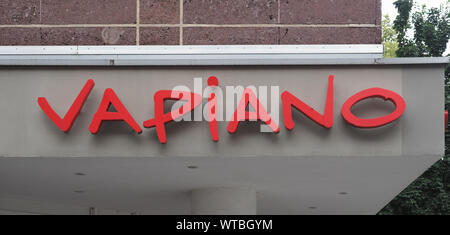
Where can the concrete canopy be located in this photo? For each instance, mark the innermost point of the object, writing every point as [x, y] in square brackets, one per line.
[309, 170]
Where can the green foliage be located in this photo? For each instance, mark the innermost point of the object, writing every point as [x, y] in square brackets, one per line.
[427, 195]
[401, 26]
[430, 193]
[389, 38]
[431, 29]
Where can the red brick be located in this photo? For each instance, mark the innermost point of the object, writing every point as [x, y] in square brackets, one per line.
[88, 36]
[378, 11]
[19, 36]
[329, 11]
[159, 36]
[159, 12]
[328, 35]
[19, 12]
[230, 11]
[229, 35]
[88, 11]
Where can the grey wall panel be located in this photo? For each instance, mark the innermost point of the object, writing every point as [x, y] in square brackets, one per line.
[26, 131]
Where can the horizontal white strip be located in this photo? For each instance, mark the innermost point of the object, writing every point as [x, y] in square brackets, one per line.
[193, 50]
[211, 60]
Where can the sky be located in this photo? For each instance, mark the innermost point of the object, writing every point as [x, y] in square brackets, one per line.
[388, 8]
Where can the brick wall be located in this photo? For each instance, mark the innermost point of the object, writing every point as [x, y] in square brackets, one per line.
[189, 22]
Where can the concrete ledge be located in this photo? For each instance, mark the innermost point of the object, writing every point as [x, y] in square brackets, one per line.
[242, 60]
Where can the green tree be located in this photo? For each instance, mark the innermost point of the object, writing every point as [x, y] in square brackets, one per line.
[431, 31]
[430, 193]
[401, 26]
[430, 26]
[389, 38]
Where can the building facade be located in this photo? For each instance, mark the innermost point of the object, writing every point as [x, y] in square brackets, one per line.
[86, 129]
[189, 22]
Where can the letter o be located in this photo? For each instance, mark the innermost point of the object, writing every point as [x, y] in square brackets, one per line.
[395, 98]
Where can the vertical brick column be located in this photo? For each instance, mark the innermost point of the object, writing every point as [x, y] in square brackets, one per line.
[189, 22]
[230, 22]
[160, 20]
[330, 22]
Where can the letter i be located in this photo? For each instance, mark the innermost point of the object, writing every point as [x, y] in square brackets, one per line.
[212, 109]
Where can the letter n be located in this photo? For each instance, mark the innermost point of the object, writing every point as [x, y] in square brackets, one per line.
[290, 100]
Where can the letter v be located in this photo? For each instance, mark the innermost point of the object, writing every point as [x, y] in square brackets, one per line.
[66, 123]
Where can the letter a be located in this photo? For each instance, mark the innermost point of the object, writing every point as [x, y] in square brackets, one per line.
[260, 114]
[102, 114]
